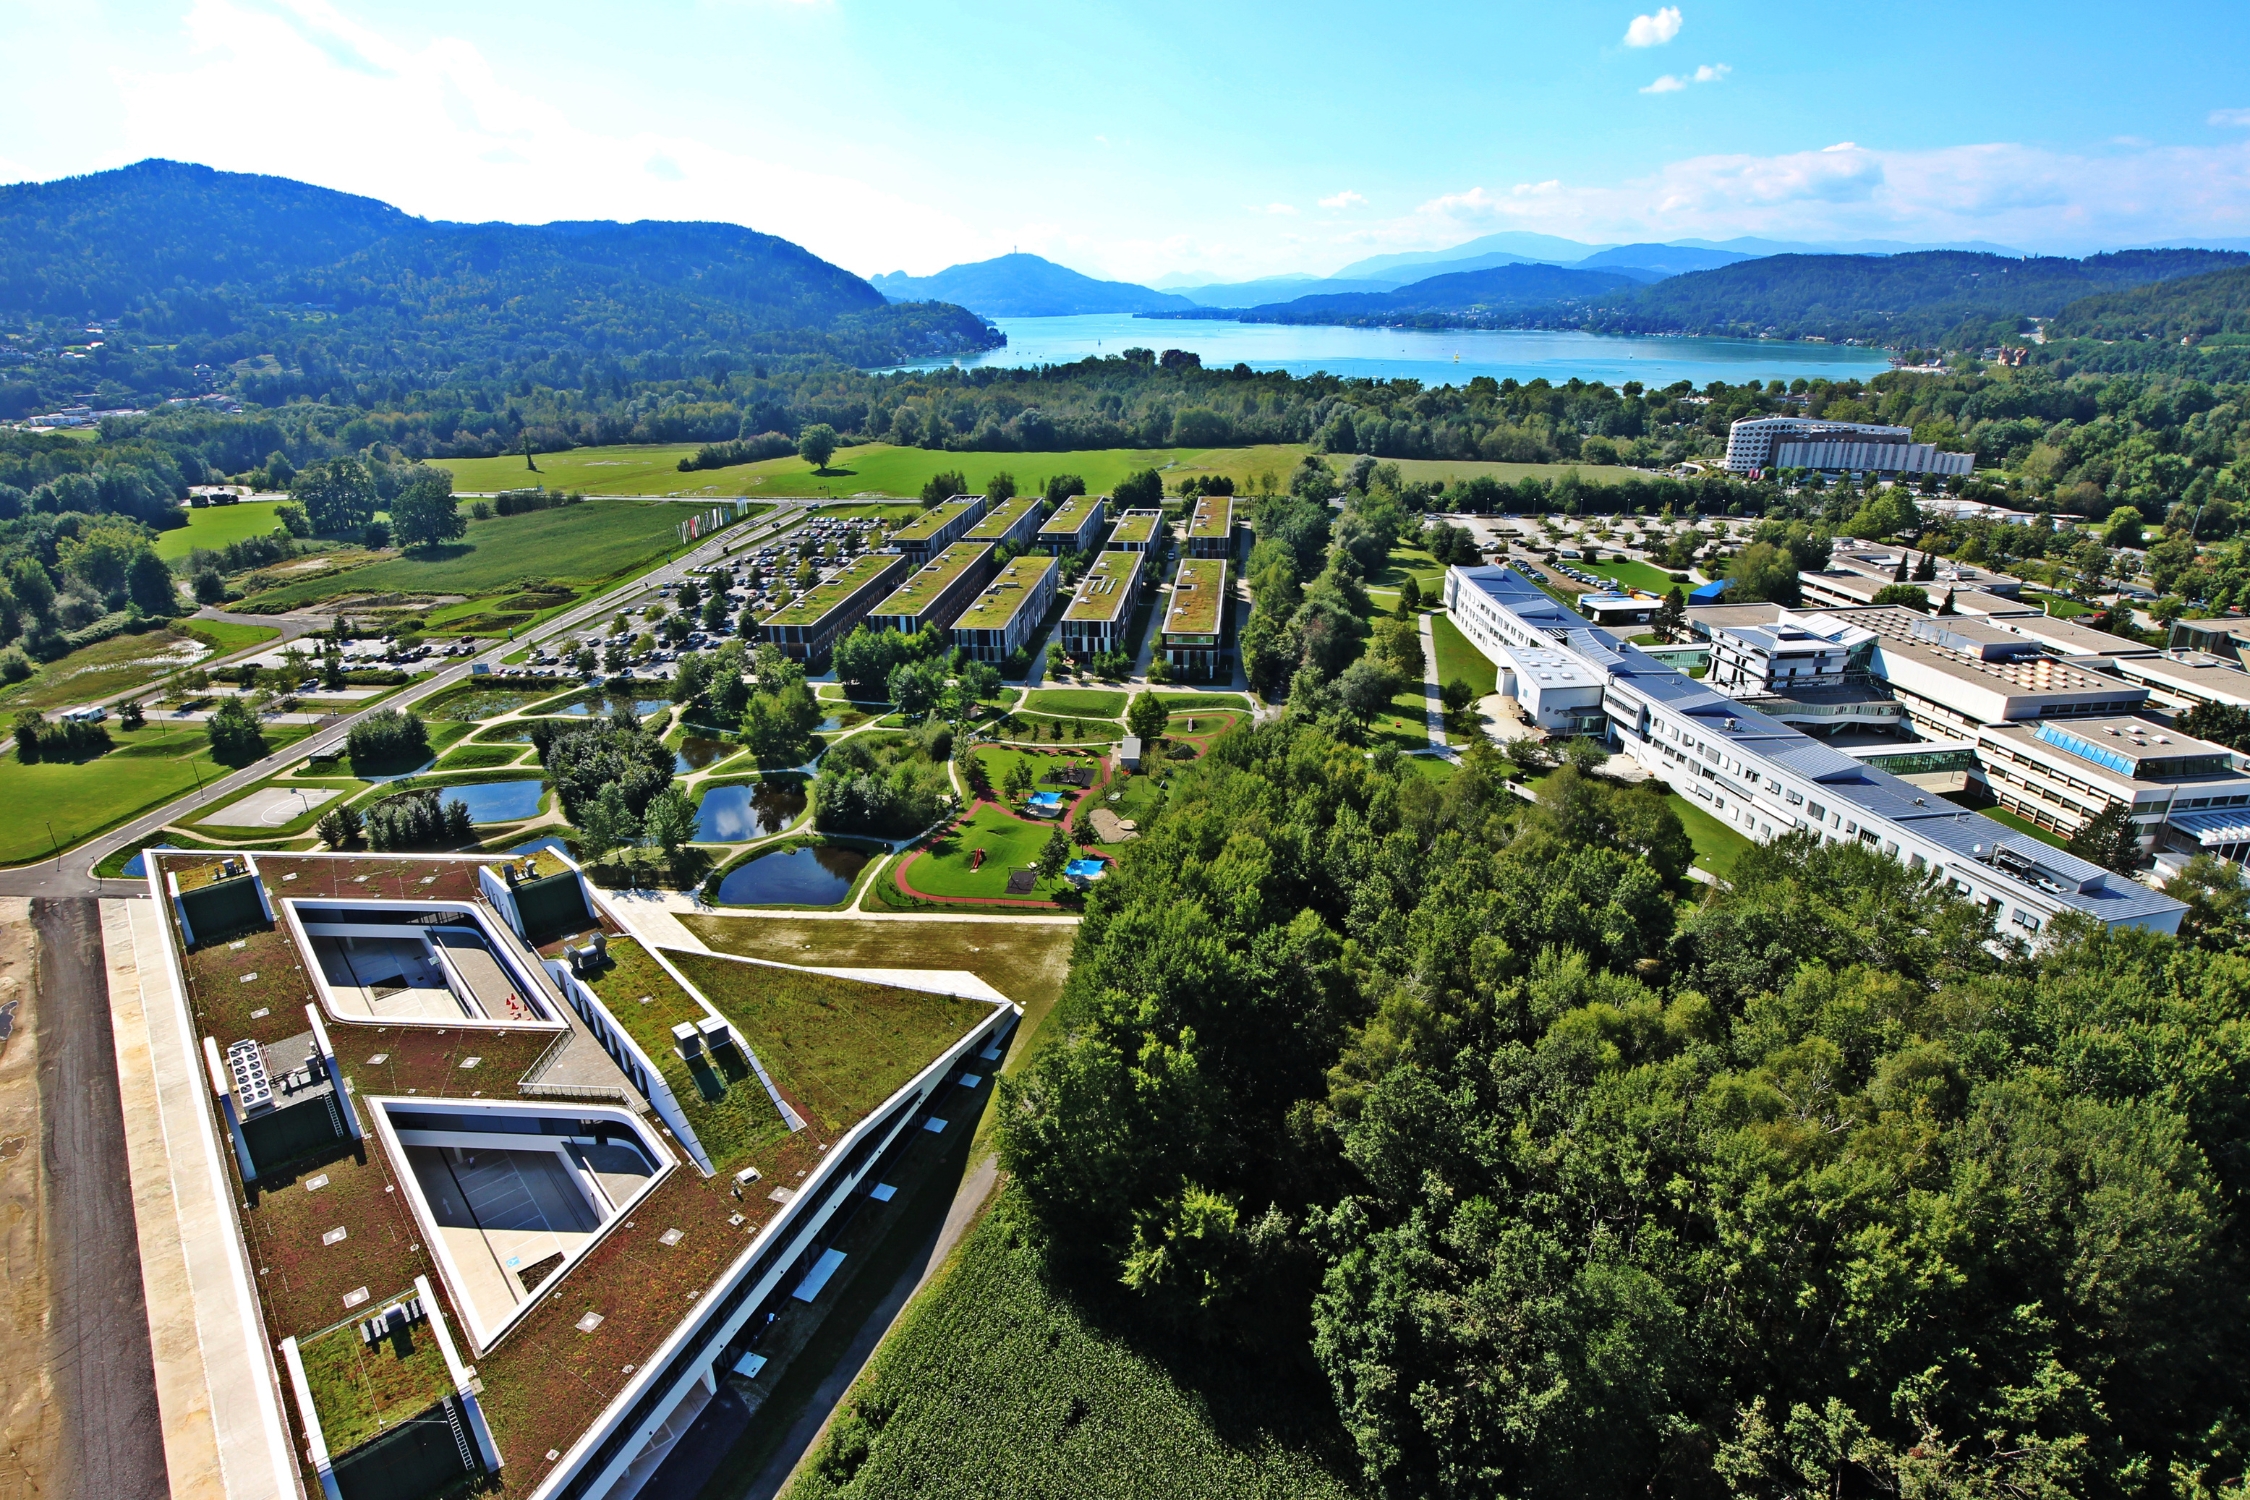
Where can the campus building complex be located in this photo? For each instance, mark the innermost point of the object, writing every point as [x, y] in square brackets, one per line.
[1765, 778]
[1100, 613]
[1005, 618]
[937, 591]
[1760, 444]
[938, 528]
[505, 1192]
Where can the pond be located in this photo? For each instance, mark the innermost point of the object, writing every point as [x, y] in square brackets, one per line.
[496, 801]
[485, 703]
[698, 754]
[609, 703]
[730, 814]
[821, 875]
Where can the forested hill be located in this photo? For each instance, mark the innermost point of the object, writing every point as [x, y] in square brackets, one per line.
[1923, 298]
[1026, 286]
[1488, 297]
[2193, 308]
[305, 291]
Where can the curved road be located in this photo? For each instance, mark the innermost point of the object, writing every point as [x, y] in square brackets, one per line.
[72, 874]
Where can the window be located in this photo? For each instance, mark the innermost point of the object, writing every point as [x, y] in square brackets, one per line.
[2026, 920]
[1794, 799]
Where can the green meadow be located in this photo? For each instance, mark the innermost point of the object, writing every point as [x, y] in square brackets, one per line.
[214, 527]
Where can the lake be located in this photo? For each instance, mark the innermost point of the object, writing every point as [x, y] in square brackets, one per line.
[820, 875]
[731, 814]
[1433, 356]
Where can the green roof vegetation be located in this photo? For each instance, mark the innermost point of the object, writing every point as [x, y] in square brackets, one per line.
[931, 522]
[925, 584]
[1005, 595]
[815, 603]
[997, 521]
[1213, 518]
[1197, 591]
[1136, 527]
[1106, 592]
[360, 1390]
[1069, 516]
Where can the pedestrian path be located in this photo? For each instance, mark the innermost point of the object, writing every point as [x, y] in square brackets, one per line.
[1433, 693]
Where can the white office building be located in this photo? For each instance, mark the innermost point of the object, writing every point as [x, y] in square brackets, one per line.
[1759, 444]
[1766, 780]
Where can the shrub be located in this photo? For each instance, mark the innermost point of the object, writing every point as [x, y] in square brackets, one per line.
[236, 736]
[417, 820]
[340, 827]
[388, 737]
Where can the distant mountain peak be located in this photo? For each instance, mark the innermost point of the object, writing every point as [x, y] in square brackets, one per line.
[1023, 285]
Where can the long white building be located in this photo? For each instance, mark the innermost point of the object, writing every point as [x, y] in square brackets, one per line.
[1765, 779]
[1758, 444]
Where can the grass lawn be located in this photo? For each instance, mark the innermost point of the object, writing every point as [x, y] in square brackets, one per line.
[1457, 658]
[226, 637]
[2007, 819]
[999, 1383]
[480, 757]
[628, 469]
[1717, 846]
[1026, 961]
[1183, 703]
[2056, 605]
[215, 526]
[1009, 843]
[880, 468]
[569, 545]
[149, 767]
[1048, 728]
[1633, 575]
[1092, 702]
[836, 1048]
[117, 665]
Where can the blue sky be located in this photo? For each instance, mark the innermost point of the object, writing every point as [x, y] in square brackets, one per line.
[1160, 136]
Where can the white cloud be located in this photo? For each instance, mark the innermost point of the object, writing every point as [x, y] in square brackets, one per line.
[438, 131]
[2230, 117]
[1654, 31]
[1672, 83]
[1345, 199]
[2002, 191]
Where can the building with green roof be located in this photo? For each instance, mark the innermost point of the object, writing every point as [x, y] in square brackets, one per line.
[937, 591]
[1014, 523]
[1074, 526]
[1100, 614]
[812, 622]
[1197, 622]
[1136, 532]
[1210, 531]
[938, 528]
[1006, 617]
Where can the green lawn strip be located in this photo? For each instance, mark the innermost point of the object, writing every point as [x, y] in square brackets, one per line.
[1635, 575]
[1009, 842]
[572, 545]
[2056, 605]
[226, 637]
[998, 1382]
[836, 1048]
[214, 526]
[480, 757]
[726, 1107]
[1189, 702]
[1434, 768]
[2007, 819]
[1457, 658]
[506, 733]
[1087, 702]
[1717, 846]
[1047, 729]
[117, 665]
[148, 767]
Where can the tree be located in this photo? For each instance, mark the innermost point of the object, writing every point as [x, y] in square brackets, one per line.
[1925, 571]
[1019, 780]
[209, 587]
[915, 687]
[1148, 717]
[29, 725]
[149, 585]
[339, 496]
[1585, 755]
[1671, 615]
[2109, 839]
[1409, 598]
[607, 823]
[388, 739]
[944, 485]
[1055, 854]
[1063, 486]
[2218, 914]
[1905, 596]
[999, 489]
[340, 827]
[1140, 491]
[425, 513]
[816, 445]
[1366, 689]
[1762, 572]
[1458, 695]
[236, 737]
[2123, 528]
[669, 821]
[975, 681]
[130, 714]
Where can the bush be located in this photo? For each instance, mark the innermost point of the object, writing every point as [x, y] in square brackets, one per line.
[237, 738]
[388, 737]
[417, 820]
[748, 450]
[891, 791]
[340, 827]
[14, 665]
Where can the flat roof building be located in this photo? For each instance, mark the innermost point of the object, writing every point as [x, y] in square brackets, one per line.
[1100, 614]
[1758, 444]
[1620, 610]
[1074, 527]
[2059, 776]
[813, 621]
[1005, 617]
[1197, 621]
[937, 591]
[938, 528]
[1013, 523]
[1210, 529]
[1136, 531]
[2178, 681]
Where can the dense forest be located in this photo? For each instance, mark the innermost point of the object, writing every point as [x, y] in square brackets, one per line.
[1572, 1177]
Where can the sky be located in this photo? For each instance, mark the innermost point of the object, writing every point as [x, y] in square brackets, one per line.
[1148, 138]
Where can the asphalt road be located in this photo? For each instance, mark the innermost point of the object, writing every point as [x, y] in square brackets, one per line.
[97, 1330]
[73, 873]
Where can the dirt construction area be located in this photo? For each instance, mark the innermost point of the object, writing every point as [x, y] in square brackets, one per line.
[30, 1422]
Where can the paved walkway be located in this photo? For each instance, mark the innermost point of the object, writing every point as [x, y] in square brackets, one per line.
[217, 1398]
[1433, 691]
